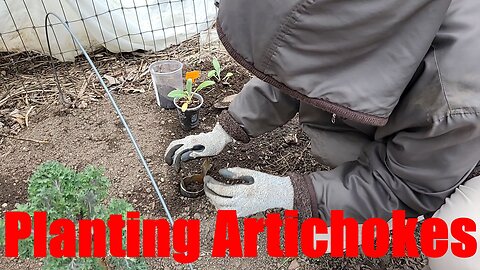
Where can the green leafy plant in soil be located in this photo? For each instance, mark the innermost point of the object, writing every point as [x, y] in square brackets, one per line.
[64, 193]
[216, 73]
[186, 95]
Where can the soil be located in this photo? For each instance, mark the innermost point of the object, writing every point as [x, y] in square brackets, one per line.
[94, 135]
[193, 104]
[193, 187]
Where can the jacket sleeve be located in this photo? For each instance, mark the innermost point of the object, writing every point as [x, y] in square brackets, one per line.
[413, 170]
[258, 108]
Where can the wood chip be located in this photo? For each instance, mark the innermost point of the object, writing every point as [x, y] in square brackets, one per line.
[291, 139]
[28, 114]
[225, 102]
[294, 265]
[111, 80]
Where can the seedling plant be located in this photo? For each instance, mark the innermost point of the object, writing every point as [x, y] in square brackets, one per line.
[185, 96]
[64, 193]
[216, 73]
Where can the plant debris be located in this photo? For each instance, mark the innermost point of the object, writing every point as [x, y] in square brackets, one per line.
[224, 103]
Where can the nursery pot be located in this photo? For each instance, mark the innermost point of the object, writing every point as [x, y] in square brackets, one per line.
[192, 186]
[190, 118]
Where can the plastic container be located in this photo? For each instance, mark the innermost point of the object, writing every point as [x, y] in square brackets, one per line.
[167, 75]
[190, 118]
[192, 187]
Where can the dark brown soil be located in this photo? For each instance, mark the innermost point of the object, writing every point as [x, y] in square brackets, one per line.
[94, 135]
[193, 186]
[194, 103]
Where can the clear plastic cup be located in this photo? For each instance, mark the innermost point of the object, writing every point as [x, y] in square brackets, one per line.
[167, 75]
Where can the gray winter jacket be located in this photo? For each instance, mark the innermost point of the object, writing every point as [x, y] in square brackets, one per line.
[405, 75]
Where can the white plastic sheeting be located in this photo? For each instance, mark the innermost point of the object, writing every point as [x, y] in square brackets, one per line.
[118, 25]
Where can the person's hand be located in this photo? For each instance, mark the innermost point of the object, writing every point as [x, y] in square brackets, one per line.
[257, 191]
[195, 146]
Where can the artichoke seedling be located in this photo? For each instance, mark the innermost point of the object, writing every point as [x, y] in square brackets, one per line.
[185, 97]
[216, 73]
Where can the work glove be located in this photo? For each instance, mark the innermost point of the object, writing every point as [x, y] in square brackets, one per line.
[254, 192]
[195, 146]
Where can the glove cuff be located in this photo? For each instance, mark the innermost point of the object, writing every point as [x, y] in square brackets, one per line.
[304, 197]
[221, 133]
[232, 127]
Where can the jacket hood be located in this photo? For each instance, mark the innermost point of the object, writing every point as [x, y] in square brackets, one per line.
[350, 58]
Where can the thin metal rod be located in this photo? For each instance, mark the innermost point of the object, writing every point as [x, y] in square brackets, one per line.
[120, 115]
[61, 94]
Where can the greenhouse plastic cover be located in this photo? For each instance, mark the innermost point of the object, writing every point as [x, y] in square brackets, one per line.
[118, 25]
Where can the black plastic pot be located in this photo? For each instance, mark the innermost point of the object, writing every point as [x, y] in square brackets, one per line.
[192, 186]
[189, 119]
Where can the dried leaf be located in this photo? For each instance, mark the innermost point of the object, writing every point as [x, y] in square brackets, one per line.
[82, 104]
[135, 90]
[131, 74]
[291, 139]
[27, 114]
[294, 265]
[18, 117]
[84, 86]
[225, 102]
[206, 166]
[111, 80]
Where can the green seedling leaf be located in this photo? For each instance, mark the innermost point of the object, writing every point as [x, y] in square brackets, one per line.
[176, 94]
[229, 74]
[204, 85]
[216, 66]
[185, 107]
[211, 73]
[188, 87]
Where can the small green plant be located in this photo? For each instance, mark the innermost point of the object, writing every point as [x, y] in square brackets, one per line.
[186, 95]
[216, 73]
[64, 193]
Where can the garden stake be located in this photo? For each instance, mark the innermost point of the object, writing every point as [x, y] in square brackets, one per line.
[115, 106]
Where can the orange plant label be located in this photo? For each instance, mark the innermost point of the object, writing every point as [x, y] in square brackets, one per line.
[193, 75]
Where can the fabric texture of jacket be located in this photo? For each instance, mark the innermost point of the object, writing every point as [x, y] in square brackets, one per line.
[402, 75]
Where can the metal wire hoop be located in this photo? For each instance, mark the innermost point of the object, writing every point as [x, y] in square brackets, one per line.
[115, 106]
